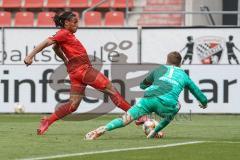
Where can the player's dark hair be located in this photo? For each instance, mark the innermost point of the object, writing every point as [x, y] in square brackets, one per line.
[174, 58]
[60, 18]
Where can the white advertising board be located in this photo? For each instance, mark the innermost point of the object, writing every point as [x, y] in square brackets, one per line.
[101, 43]
[32, 87]
[202, 45]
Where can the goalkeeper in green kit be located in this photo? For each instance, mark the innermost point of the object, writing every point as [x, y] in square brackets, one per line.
[162, 88]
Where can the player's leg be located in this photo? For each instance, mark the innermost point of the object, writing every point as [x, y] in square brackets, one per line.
[184, 59]
[121, 103]
[114, 124]
[64, 109]
[132, 114]
[167, 113]
[229, 59]
[98, 81]
[235, 58]
[61, 111]
[190, 59]
[162, 124]
[116, 97]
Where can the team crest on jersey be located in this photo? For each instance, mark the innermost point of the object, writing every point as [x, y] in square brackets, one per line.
[209, 49]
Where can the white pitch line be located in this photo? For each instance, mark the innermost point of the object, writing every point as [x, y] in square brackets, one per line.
[113, 150]
[230, 142]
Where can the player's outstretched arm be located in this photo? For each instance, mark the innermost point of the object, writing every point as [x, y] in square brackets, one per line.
[198, 94]
[29, 58]
[182, 49]
[237, 48]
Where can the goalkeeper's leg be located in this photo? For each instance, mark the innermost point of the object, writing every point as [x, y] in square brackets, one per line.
[114, 124]
[132, 114]
[168, 115]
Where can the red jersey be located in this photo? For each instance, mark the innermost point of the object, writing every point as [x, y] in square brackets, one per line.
[73, 49]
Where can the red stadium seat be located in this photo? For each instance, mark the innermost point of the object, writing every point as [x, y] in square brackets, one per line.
[78, 4]
[114, 18]
[45, 19]
[24, 19]
[5, 19]
[11, 3]
[56, 4]
[106, 4]
[33, 4]
[93, 18]
[123, 4]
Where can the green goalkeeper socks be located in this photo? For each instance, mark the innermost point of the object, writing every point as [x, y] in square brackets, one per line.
[163, 123]
[116, 123]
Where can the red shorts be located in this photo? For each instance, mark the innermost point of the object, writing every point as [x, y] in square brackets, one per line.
[82, 77]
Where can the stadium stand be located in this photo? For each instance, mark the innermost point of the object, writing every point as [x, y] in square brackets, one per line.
[106, 4]
[111, 13]
[5, 19]
[122, 4]
[56, 4]
[114, 18]
[93, 18]
[33, 4]
[162, 19]
[24, 19]
[11, 3]
[78, 4]
[44, 19]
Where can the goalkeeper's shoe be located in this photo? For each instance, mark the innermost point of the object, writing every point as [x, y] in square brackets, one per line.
[95, 133]
[153, 134]
[44, 124]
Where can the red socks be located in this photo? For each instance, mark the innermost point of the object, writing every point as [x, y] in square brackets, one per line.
[61, 111]
[66, 109]
[52, 118]
[120, 102]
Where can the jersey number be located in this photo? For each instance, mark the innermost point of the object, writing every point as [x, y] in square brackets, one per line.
[171, 72]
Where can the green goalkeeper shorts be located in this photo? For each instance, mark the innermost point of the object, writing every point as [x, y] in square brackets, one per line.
[148, 105]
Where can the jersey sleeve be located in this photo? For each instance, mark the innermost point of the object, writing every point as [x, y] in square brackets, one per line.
[195, 90]
[158, 72]
[148, 80]
[59, 37]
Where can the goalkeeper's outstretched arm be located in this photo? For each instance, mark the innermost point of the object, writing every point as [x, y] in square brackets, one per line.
[198, 94]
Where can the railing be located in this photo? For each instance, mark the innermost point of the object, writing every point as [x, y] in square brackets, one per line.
[209, 16]
[101, 2]
[128, 13]
[184, 13]
[92, 8]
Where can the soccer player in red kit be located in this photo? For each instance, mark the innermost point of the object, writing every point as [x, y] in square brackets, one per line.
[79, 68]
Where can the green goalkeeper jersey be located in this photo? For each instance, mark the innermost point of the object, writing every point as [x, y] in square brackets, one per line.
[166, 82]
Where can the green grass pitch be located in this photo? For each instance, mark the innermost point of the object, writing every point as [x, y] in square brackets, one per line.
[219, 134]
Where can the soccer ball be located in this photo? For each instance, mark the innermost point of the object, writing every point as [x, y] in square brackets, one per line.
[149, 125]
[19, 108]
